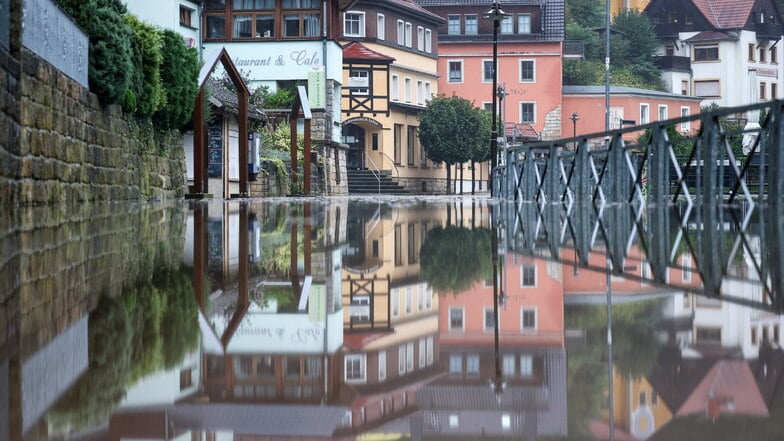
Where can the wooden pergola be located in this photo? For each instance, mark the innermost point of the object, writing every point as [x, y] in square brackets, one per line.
[199, 188]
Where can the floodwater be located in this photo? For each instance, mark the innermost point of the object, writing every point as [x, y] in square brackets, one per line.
[385, 319]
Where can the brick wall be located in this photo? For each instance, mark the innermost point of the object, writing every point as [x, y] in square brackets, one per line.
[63, 145]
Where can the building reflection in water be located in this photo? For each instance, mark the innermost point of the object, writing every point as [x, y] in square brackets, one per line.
[347, 320]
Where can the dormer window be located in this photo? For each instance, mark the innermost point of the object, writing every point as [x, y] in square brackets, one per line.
[672, 17]
[689, 17]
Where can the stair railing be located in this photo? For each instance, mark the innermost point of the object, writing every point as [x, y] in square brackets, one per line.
[397, 172]
[375, 170]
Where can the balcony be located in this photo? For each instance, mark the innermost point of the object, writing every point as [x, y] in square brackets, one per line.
[667, 30]
[672, 62]
[768, 31]
[574, 49]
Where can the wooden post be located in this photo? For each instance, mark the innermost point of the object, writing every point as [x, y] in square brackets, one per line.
[294, 165]
[306, 187]
[242, 97]
[199, 146]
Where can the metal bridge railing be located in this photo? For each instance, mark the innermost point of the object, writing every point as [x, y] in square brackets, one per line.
[615, 198]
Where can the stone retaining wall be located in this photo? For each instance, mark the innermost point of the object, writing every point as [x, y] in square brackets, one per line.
[63, 145]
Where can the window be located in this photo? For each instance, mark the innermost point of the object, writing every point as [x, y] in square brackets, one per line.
[354, 24]
[420, 92]
[429, 350]
[382, 365]
[672, 17]
[395, 88]
[686, 268]
[508, 366]
[762, 50]
[471, 22]
[409, 300]
[216, 26]
[762, 95]
[527, 113]
[453, 24]
[774, 55]
[689, 17]
[687, 300]
[420, 288]
[642, 400]
[422, 355]
[381, 25]
[395, 300]
[398, 241]
[754, 339]
[301, 25]
[401, 32]
[428, 95]
[407, 89]
[524, 24]
[455, 318]
[428, 41]
[669, 50]
[359, 82]
[685, 87]
[662, 112]
[489, 318]
[401, 359]
[453, 421]
[645, 114]
[355, 367]
[506, 421]
[409, 35]
[708, 335]
[707, 88]
[410, 148]
[527, 276]
[527, 68]
[455, 366]
[410, 356]
[751, 51]
[472, 366]
[528, 319]
[420, 38]
[455, 72]
[706, 52]
[507, 25]
[487, 71]
[526, 366]
[774, 91]
[186, 379]
[186, 15]
[398, 134]
[776, 333]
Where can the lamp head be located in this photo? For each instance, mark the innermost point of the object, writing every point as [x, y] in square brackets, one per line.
[495, 13]
[575, 117]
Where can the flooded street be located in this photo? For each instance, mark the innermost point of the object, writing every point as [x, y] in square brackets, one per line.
[389, 318]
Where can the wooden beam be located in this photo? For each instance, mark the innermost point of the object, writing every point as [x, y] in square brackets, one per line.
[199, 146]
[306, 172]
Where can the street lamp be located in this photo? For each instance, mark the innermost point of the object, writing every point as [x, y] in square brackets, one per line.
[496, 14]
[574, 119]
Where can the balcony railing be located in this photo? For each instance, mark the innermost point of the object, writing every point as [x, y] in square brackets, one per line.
[673, 62]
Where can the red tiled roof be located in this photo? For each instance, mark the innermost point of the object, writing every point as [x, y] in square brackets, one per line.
[729, 387]
[358, 51]
[409, 4]
[725, 14]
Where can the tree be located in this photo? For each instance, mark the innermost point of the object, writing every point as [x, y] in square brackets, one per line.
[179, 75]
[454, 258]
[146, 83]
[636, 45]
[451, 130]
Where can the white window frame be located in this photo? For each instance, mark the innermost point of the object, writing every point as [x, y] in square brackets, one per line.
[456, 361]
[401, 33]
[645, 113]
[360, 73]
[451, 20]
[686, 265]
[520, 70]
[454, 421]
[523, 310]
[508, 365]
[462, 317]
[401, 359]
[449, 71]
[422, 353]
[407, 89]
[409, 295]
[507, 25]
[699, 83]
[420, 38]
[520, 29]
[527, 366]
[428, 41]
[395, 88]
[382, 365]
[409, 34]
[360, 19]
[533, 121]
[663, 110]
[485, 78]
[475, 28]
[351, 358]
[473, 366]
[395, 302]
[420, 101]
[428, 95]
[485, 310]
[522, 275]
[381, 23]
[686, 125]
[409, 356]
[429, 344]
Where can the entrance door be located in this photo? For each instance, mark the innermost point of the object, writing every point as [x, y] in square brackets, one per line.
[354, 137]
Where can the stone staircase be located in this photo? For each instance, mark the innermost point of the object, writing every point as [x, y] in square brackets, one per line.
[365, 182]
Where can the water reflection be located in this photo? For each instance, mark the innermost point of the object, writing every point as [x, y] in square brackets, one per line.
[346, 319]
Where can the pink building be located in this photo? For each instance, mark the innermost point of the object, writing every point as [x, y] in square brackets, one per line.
[628, 105]
[530, 41]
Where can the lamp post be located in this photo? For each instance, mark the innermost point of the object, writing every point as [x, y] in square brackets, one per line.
[496, 14]
[574, 119]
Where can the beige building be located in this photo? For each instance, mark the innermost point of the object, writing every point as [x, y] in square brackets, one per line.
[617, 6]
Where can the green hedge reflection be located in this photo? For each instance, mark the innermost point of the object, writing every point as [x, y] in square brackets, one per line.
[454, 258]
[150, 327]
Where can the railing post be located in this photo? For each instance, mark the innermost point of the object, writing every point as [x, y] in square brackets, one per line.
[775, 220]
[659, 166]
[708, 199]
[615, 180]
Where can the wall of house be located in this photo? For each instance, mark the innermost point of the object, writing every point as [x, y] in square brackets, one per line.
[66, 146]
[543, 91]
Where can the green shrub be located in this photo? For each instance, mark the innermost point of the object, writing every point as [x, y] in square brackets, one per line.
[110, 66]
[179, 75]
[147, 58]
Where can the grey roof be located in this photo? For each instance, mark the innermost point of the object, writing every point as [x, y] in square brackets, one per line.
[489, 3]
[270, 420]
[622, 90]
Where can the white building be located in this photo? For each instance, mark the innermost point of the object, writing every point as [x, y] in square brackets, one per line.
[181, 16]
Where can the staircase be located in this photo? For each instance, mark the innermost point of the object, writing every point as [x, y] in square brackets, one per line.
[365, 182]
